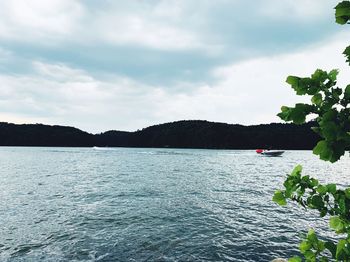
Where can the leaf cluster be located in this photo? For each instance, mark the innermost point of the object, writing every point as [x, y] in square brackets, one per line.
[342, 12]
[328, 200]
[342, 16]
[330, 105]
[311, 247]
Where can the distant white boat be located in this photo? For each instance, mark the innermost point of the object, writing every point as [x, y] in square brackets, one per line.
[270, 152]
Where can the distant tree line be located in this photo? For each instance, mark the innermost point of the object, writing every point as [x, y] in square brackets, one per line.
[180, 134]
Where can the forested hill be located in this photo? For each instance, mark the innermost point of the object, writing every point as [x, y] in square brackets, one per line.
[180, 134]
[43, 135]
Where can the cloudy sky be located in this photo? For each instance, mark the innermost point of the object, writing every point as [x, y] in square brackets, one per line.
[125, 65]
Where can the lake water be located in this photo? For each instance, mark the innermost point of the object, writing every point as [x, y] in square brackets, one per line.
[133, 204]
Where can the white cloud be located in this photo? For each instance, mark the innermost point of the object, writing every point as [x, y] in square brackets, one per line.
[48, 23]
[137, 30]
[262, 81]
[62, 95]
[5, 55]
[169, 9]
[61, 72]
[37, 20]
[250, 92]
[296, 9]
[163, 25]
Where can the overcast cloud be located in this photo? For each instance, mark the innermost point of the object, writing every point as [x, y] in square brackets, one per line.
[125, 65]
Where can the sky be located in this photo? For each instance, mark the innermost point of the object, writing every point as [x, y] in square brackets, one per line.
[125, 65]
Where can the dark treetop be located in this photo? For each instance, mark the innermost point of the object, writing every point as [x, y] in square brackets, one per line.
[180, 134]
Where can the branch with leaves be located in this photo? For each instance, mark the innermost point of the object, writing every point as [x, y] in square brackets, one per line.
[330, 105]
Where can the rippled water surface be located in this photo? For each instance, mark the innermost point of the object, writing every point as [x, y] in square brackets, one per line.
[122, 204]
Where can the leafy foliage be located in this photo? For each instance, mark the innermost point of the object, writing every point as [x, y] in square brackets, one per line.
[328, 200]
[342, 16]
[347, 54]
[342, 12]
[331, 106]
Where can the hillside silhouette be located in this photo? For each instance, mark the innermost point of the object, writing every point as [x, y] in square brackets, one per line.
[180, 134]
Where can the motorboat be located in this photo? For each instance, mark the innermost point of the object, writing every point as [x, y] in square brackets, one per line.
[266, 152]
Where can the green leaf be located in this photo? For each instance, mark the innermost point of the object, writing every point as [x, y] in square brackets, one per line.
[319, 76]
[323, 150]
[323, 212]
[298, 113]
[313, 182]
[298, 116]
[347, 193]
[297, 84]
[317, 99]
[321, 189]
[330, 131]
[338, 148]
[342, 12]
[347, 54]
[279, 198]
[329, 150]
[347, 89]
[330, 115]
[320, 147]
[310, 256]
[317, 201]
[297, 170]
[306, 179]
[285, 113]
[311, 236]
[341, 249]
[331, 188]
[336, 93]
[342, 204]
[333, 74]
[305, 246]
[336, 223]
[293, 80]
[295, 259]
[320, 246]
